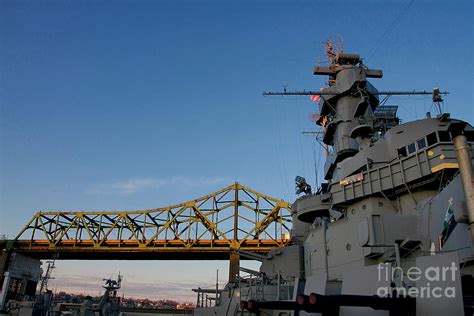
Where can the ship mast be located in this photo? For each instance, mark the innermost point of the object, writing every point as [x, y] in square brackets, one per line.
[347, 106]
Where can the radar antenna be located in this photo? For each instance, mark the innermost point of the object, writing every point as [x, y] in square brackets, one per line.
[437, 99]
[302, 186]
[334, 46]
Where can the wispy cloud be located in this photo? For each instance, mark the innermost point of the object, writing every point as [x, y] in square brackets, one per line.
[140, 184]
[124, 187]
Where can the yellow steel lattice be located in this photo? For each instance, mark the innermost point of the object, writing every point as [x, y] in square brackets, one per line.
[234, 217]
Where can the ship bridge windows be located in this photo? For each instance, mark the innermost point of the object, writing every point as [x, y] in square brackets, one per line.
[431, 138]
[469, 135]
[444, 136]
[421, 143]
[402, 152]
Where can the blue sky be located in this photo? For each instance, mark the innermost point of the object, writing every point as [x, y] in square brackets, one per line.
[122, 105]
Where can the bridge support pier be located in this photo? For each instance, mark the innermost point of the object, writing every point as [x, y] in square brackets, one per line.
[234, 267]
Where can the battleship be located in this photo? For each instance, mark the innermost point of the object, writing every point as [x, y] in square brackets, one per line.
[389, 232]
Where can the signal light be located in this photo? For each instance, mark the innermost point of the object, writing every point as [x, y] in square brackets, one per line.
[252, 306]
[313, 298]
[300, 299]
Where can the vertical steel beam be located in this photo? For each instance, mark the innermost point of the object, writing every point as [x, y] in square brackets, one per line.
[198, 297]
[234, 259]
[234, 264]
[236, 211]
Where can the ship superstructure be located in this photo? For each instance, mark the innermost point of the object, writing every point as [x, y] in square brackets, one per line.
[389, 231]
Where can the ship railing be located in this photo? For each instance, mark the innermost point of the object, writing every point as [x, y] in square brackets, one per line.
[253, 287]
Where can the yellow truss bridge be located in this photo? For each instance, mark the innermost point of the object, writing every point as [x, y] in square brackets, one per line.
[207, 228]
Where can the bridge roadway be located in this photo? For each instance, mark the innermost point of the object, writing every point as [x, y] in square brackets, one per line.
[129, 250]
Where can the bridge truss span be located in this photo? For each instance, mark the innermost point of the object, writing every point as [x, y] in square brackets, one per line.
[234, 217]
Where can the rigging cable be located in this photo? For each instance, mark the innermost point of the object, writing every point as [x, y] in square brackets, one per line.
[315, 167]
[389, 29]
[319, 159]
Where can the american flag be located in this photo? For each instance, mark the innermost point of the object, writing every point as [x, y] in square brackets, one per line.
[315, 98]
